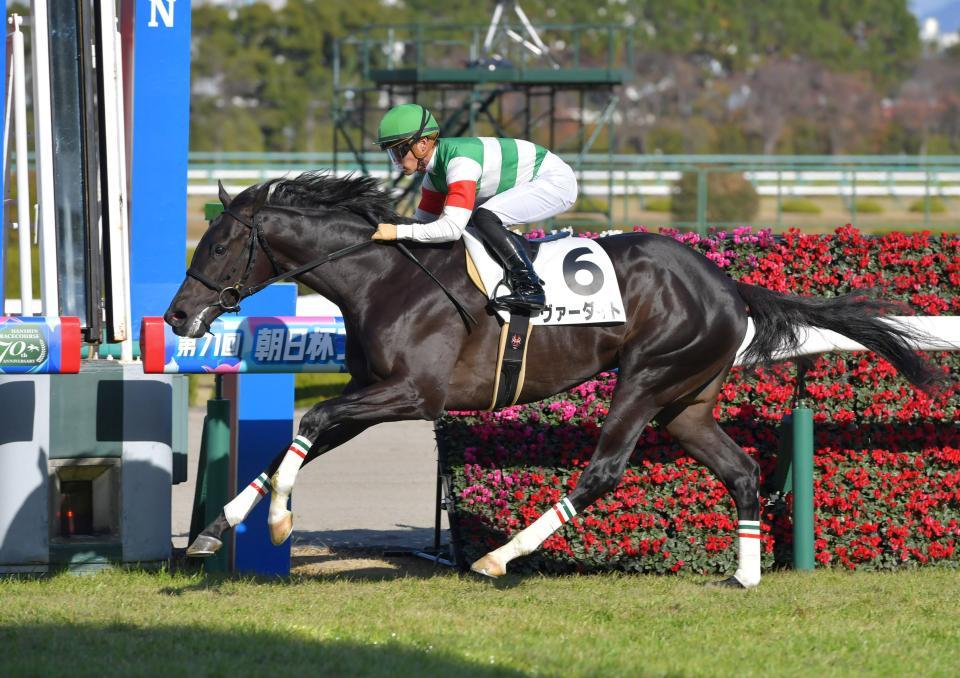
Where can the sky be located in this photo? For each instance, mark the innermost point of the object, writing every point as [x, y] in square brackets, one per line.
[946, 11]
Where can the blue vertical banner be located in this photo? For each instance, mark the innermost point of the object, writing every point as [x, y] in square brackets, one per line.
[156, 46]
[262, 428]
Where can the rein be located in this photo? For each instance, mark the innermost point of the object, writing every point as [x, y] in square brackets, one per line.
[240, 290]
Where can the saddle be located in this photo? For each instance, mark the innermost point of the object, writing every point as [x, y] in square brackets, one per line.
[581, 288]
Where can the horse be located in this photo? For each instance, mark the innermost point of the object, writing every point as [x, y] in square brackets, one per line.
[421, 339]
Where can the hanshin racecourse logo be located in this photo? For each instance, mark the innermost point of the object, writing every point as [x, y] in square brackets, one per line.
[22, 345]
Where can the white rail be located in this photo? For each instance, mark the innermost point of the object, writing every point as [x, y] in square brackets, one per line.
[647, 183]
[43, 148]
[942, 334]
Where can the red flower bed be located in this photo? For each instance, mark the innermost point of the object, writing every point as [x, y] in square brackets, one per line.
[887, 458]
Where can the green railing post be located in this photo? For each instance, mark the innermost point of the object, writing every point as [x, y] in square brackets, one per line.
[803, 551]
[779, 199]
[782, 480]
[419, 39]
[365, 67]
[701, 201]
[853, 199]
[210, 493]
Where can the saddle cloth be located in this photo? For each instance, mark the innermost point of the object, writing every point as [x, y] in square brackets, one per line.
[579, 281]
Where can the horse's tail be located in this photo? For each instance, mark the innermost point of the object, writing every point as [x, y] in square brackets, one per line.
[777, 317]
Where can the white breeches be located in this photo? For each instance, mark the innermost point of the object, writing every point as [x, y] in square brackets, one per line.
[554, 190]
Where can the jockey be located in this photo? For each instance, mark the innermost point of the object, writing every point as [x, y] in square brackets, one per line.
[497, 182]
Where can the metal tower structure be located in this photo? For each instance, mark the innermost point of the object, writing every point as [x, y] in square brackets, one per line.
[498, 80]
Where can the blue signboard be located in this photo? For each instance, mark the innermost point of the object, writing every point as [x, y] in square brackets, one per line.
[242, 344]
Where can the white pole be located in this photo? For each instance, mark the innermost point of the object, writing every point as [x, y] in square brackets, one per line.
[126, 349]
[112, 193]
[23, 168]
[492, 29]
[43, 154]
[7, 111]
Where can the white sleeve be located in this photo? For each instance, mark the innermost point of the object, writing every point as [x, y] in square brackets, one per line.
[424, 217]
[449, 226]
[458, 202]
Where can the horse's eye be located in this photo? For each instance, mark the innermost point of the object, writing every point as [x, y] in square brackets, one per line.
[219, 250]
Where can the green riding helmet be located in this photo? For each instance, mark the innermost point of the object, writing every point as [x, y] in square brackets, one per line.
[405, 123]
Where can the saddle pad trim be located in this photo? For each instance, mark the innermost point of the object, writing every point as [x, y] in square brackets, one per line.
[474, 274]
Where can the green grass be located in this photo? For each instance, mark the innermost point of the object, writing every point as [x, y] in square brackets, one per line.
[308, 388]
[828, 623]
[312, 388]
[657, 205]
[12, 273]
[937, 206]
[800, 206]
[869, 207]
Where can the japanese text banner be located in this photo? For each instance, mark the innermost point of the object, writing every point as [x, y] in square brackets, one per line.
[247, 345]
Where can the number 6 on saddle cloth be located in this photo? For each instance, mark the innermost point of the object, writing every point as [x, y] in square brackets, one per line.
[579, 281]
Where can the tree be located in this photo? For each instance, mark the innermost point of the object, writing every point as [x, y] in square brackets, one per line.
[272, 68]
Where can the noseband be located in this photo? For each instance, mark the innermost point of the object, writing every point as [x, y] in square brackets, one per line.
[231, 295]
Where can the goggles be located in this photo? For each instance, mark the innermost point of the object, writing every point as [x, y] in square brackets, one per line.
[397, 152]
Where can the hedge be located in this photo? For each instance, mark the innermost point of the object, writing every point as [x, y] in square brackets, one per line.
[887, 458]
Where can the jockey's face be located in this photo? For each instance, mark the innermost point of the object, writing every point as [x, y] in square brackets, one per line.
[410, 158]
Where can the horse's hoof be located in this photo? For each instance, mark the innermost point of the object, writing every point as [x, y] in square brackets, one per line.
[489, 566]
[204, 546]
[281, 529]
[728, 583]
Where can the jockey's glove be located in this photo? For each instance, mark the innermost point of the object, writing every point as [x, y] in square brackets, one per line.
[385, 232]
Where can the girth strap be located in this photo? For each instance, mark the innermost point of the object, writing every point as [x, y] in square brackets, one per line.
[511, 359]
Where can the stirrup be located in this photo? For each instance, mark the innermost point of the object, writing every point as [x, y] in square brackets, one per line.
[533, 303]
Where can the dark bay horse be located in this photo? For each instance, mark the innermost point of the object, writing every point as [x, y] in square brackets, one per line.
[411, 355]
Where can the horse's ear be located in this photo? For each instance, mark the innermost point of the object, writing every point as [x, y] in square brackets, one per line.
[222, 193]
[260, 199]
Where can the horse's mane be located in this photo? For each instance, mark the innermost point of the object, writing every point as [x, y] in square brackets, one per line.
[359, 194]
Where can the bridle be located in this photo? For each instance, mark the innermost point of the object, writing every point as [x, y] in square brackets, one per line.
[230, 296]
[240, 290]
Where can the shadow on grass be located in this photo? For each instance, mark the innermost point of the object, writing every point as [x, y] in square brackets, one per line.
[320, 564]
[126, 649]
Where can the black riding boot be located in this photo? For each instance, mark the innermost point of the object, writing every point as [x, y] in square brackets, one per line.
[526, 288]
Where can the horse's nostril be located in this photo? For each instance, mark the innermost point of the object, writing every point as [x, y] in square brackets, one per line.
[175, 318]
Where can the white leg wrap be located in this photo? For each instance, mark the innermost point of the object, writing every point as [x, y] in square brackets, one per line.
[748, 543]
[530, 538]
[241, 505]
[286, 476]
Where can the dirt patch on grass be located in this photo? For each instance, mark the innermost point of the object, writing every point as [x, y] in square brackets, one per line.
[323, 561]
[311, 561]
